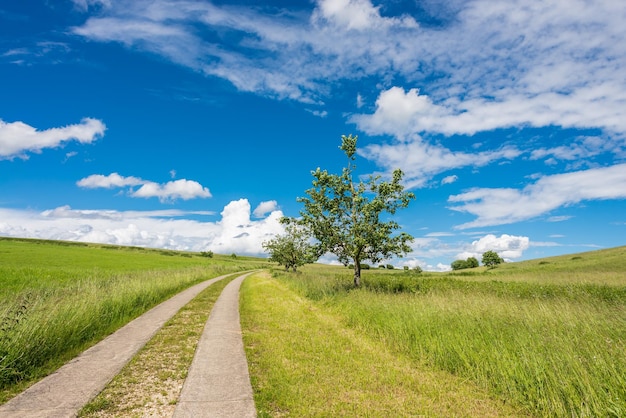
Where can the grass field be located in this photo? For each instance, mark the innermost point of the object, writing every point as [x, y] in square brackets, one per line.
[537, 338]
[545, 337]
[58, 298]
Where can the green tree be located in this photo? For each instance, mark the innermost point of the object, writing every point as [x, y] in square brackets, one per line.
[459, 265]
[345, 216]
[292, 249]
[472, 262]
[491, 259]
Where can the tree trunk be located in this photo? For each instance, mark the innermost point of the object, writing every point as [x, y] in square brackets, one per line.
[357, 273]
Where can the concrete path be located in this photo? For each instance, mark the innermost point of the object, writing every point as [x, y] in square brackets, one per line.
[66, 391]
[218, 383]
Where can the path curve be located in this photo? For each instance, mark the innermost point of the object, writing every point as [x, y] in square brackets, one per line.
[63, 393]
[218, 383]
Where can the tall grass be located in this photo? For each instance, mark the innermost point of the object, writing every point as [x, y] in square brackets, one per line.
[57, 299]
[555, 348]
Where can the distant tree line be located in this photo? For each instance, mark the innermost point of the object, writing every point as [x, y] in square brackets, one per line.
[489, 259]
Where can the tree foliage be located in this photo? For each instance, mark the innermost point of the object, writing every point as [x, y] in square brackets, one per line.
[471, 262]
[344, 216]
[292, 249]
[491, 259]
[458, 265]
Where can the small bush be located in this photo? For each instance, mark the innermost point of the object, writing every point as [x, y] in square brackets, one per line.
[208, 254]
[459, 265]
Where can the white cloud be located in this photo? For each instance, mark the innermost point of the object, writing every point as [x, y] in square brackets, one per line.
[505, 206]
[113, 180]
[507, 246]
[356, 15]
[420, 161]
[239, 234]
[559, 218]
[439, 234]
[264, 208]
[360, 102]
[488, 65]
[235, 232]
[17, 138]
[449, 179]
[172, 190]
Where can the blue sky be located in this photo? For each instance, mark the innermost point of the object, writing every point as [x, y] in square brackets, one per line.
[195, 124]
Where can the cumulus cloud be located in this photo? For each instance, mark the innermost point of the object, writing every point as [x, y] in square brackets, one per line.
[508, 247]
[172, 190]
[17, 139]
[113, 180]
[505, 206]
[238, 233]
[264, 208]
[235, 232]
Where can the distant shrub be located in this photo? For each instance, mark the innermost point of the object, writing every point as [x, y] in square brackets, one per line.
[406, 268]
[389, 267]
[365, 266]
[543, 263]
[417, 269]
[233, 255]
[208, 254]
[459, 265]
[577, 258]
[382, 266]
[472, 262]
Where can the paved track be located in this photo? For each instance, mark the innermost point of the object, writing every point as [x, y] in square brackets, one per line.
[66, 391]
[218, 383]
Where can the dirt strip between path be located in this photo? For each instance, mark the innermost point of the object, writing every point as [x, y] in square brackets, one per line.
[66, 391]
[218, 383]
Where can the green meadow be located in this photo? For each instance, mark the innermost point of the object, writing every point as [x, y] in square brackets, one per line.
[58, 298]
[537, 338]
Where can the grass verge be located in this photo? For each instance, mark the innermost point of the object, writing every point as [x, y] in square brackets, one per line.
[149, 385]
[304, 362]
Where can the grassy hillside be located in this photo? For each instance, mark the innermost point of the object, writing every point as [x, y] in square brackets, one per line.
[57, 298]
[546, 336]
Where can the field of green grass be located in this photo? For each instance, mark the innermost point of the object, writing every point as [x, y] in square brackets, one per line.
[544, 337]
[58, 298]
[536, 338]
